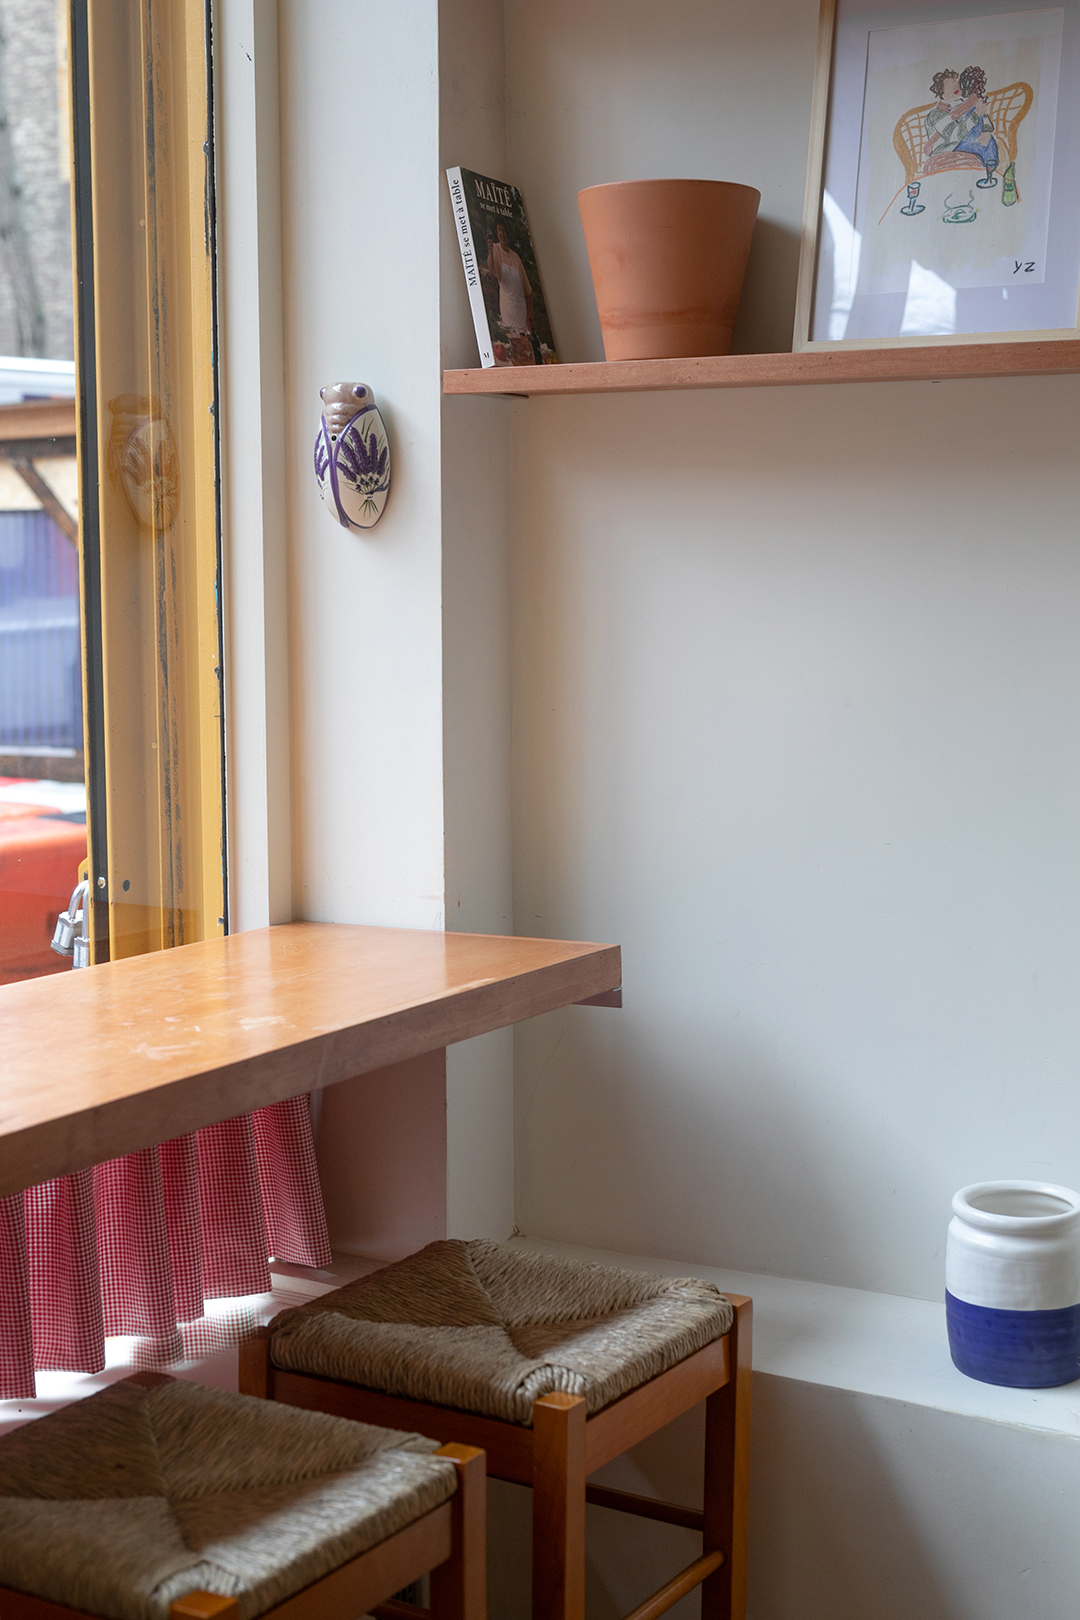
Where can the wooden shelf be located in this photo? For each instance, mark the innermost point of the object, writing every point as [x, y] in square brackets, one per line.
[131, 1053]
[925, 364]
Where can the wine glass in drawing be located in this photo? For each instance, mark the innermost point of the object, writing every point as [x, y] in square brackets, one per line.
[914, 206]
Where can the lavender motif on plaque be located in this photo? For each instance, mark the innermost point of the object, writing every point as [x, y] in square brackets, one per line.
[352, 456]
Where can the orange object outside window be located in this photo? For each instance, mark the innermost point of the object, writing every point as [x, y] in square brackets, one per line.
[40, 855]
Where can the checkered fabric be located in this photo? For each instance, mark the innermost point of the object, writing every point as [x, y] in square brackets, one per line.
[289, 1178]
[138, 1245]
[16, 1336]
[195, 1340]
[65, 1290]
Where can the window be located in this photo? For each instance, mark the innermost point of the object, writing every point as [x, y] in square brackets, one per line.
[139, 146]
[42, 796]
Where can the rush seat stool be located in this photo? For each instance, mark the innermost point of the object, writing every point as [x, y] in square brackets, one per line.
[159, 1499]
[553, 1367]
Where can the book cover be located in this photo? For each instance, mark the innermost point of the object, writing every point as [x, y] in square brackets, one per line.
[508, 309]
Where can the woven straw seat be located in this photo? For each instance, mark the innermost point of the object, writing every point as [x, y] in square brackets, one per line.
[489, 1329]
[554, 1367]
[154, 1488]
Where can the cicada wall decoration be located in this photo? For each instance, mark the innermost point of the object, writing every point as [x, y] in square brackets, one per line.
[352, 456]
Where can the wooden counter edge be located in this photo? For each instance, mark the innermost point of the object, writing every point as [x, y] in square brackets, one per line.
[90, 1135]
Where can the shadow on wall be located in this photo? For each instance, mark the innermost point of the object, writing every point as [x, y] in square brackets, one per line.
[864, 1507]
[832, 1537]
[766, 315]
[380, 1141]
[860, 1509]
[826, 1520]
[626, 1559]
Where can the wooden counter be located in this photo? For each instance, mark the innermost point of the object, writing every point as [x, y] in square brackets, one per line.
[118, 1057]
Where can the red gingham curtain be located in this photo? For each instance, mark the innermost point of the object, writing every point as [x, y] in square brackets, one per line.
[138, 1245]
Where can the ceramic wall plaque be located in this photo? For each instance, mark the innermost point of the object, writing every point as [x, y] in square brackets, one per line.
[1012, 1283]
[352, 456]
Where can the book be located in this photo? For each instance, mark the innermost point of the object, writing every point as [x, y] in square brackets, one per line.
[507, 303]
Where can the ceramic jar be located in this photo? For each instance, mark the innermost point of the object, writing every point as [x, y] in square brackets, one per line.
[668, 259]
[1012, 1283]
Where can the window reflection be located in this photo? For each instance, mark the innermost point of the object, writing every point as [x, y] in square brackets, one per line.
[846, 248]
[42, 797]
[930, 306]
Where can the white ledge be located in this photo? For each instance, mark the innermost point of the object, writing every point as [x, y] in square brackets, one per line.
[846, 1338]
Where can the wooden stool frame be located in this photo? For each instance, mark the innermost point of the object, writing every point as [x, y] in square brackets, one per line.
[448, 1543]
[564, 1446]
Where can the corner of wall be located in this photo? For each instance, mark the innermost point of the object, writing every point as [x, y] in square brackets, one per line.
[252, 440]
[476, 640]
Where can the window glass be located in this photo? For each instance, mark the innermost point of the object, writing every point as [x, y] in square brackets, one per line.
[156, 810]
[109, 564]
[42, 796]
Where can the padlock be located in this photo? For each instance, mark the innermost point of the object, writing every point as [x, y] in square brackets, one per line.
[70, 932]
[63, 940]
[68, 925]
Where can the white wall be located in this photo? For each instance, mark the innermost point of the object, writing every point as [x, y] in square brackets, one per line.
[359, 237]
[790, 679]
[861, 1509]
[476, 641]
[797, 688]
[791, 683]
[793, 671]
[250, 332]
[399, 636]
[362, 303]
[600, 91]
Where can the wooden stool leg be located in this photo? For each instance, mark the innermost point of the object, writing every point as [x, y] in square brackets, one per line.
[255, 1374]
[558, 1579]
[727, 1476]
[459, 1587]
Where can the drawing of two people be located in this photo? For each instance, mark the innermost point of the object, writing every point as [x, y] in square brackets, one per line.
[960, 121]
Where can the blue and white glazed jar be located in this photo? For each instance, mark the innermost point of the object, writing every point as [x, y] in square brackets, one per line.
[1012, 1283]
[352, 455]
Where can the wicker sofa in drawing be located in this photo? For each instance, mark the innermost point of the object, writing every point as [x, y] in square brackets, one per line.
[1007, 109]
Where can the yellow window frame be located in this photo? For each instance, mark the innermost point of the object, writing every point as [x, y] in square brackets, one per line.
[143, 246]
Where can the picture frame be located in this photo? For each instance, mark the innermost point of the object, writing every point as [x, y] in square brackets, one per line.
[894, 252]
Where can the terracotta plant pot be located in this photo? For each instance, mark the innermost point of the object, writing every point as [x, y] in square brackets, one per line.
[668, 259]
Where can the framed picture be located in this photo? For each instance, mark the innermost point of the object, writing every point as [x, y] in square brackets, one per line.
[943, 191]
